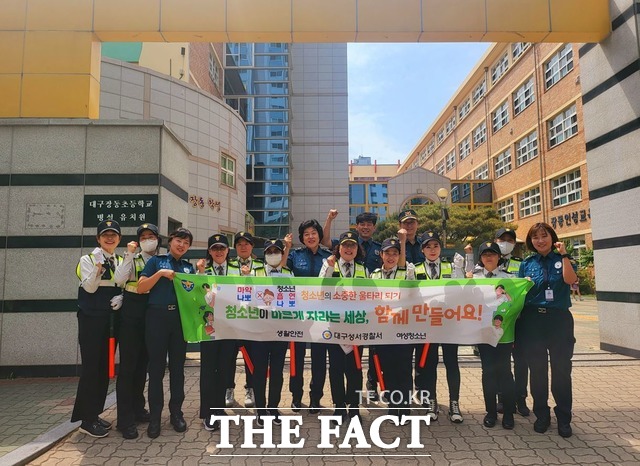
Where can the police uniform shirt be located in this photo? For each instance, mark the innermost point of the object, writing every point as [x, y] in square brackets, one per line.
[163, 293]
[350, 269]
[392, 274]
[89, 277]
[372, 259]
[414, 252]
[277, 271]
[546, 273]
[126, 272]
[304, 263]
[497, 273]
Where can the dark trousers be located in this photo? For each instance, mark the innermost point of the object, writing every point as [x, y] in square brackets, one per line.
[520, 366]
[427, 378]
[93, 336]
[496, 373]
[231, 379]
[268, 356]
[396, 372]
[372, 376]
[216, 360]
[132, 371]
[318, 370]
[549, 336]
[164, 337]
[343, 365]
[296, 384]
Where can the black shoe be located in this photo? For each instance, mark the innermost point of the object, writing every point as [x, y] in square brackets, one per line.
[153, 431]
[489, 420]
[94, 429]
[130, 432]
[143, 416]
[507, 421]
[276, 416]
[178, 423]
[211, 426]
[314, 407]
[500, 407]
[341, 413]
[259, 421]
[564, 430]
[541, 425]
[296, 406]
[104, 423]
[355, 412]
[521, 406]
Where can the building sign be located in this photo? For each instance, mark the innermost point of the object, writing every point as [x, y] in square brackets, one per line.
[572, 217]
[128, 210]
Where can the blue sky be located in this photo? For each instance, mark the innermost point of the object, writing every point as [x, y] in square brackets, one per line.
[397, 90]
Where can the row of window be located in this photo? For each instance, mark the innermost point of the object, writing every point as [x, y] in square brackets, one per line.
[565, 189]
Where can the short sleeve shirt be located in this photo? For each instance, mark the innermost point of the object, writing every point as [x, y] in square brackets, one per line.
[304, 263]
[546, 273]
[163, 293]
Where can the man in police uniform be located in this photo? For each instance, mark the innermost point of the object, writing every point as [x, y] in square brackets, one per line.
[409, 221]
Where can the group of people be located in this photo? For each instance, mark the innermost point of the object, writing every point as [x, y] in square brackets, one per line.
[133, 297]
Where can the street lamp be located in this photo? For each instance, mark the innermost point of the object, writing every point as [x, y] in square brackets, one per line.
[443, 193]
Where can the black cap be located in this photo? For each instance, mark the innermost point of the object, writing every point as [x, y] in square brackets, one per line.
[429, 236]
[390, 243]
[218, 240]
[109, 225]
[274, 243]
[367, 217]
[244, 235]
[148, 226]
[407, 214]
[348, 236]
[506, 231]
[489, 246]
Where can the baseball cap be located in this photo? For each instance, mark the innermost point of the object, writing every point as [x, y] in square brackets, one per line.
[488, 246]
[407, 214]
[390, 243]
[506, 231]
[274, 243]
[148, 226]
[109, 225]
[348, 236]
[243, 235]
[429, 236]
[218, 240]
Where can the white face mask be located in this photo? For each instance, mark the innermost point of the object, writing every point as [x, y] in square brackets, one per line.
[273, 259]
[149, 245]
[506, 248]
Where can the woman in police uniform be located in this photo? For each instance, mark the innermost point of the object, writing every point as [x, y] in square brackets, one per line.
[97, 298]
[547, 326]
[132, 372]
[164, 330]
[345, 262]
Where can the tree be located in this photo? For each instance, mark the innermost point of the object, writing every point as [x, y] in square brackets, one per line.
[464, 224]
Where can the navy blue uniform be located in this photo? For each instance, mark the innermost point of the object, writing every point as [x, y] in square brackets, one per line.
[414, 252]
[372, 259]
[546, 328]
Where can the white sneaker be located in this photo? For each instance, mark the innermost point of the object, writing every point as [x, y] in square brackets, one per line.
[249, 399]
[229, 399]
[455, 415]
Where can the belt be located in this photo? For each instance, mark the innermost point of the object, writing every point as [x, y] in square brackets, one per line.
[543, 310]
[164, 307]
[107, 283]
[133, 289]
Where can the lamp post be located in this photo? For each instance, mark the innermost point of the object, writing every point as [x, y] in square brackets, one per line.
[443, 193]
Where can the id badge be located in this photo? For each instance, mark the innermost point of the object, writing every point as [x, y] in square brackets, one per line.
[548, 295]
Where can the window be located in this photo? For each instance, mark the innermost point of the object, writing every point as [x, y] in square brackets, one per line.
[450, 160]
[440, 137]
[529, 202]
[481, 173]
[450, 124]
[505, 210]
[378, 193]
[422, 157]
[465, 108]
[478, 92]
[464, 148]
[455, 193]
[466, 190]
[523, 97]
[228, 171]
[440, 167]
[214, 70]
[563, 126]
[503, 163]
[239, 54]
[518, 48]
[558, 66]
[566, 188]
[479, 135]
[500, 68]
[431, 147]
[527, 148]
[357, 194]
[500, 117]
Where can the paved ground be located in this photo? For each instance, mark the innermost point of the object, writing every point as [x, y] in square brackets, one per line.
[606, 424]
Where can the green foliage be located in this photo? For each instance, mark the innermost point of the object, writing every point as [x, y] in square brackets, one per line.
[479, 224]
[586, 281]
[585, 259]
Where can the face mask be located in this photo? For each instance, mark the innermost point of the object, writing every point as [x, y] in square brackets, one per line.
[273, 259]
[149, 245]
[506, 248]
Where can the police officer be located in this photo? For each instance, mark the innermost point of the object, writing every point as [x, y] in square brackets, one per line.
[243, 264]
[408, 220]
[269, 356]
[132, 373]
[434, 268]
[547, 326]
[164, 330]
[98, 296]
[395, 359]
[307, 262]
[345, 263]
[217, 357]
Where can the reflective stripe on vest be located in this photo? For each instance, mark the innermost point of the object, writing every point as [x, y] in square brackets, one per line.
[138, 263]
[358, 272]
[92, 257]
[421, 269]
[400, 274]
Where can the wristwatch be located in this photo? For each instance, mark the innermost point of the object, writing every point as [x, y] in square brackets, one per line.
[568, 256]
